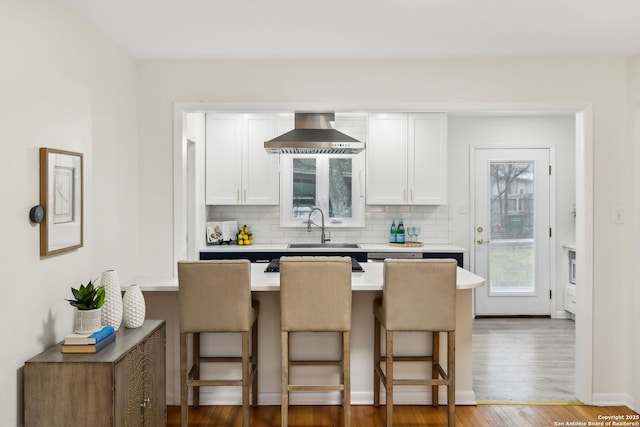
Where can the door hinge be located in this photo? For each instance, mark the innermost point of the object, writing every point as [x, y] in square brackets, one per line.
[549, 293]
[550, 233]
[549, 169]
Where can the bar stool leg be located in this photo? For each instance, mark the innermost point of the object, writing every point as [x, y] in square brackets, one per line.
[436, 361]
[196, 371]
[246, 372]
[346, 374]
[184, 391]
[451, 368]
[389, 375]
[254, 363]
[284, 386]
[376, 362]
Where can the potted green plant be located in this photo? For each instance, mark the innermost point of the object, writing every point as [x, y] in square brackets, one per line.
[88, 300]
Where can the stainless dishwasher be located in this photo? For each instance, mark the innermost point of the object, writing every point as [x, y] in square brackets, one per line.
[381, 256]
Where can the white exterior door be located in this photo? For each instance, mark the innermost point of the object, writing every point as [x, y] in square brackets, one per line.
[512, 234]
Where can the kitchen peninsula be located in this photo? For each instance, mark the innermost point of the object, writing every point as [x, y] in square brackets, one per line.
[162, 302]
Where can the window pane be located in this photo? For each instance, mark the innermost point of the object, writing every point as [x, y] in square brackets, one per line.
[512, 239]
[304, 187]
[340, 188]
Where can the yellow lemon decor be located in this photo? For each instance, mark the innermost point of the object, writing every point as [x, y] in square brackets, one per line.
[244, 236]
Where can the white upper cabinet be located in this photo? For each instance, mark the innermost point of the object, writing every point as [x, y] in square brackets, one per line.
[427, 160]
[238, 169]
[387, 159]
[407, 159]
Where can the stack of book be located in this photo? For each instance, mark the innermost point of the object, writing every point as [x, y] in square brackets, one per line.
[89, 343]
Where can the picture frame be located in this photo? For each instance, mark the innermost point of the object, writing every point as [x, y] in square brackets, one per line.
[61, 194]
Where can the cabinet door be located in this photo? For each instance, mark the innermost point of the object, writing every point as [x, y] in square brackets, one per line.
[387, 159]
[427, 159]
[223, 184]
[140, 380]
[260, 178]
[129, 388]
[155, 389]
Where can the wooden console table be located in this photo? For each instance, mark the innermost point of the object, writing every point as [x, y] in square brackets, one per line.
[123, 385]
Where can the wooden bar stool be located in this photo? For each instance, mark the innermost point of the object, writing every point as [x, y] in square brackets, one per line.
[215, 296]
[417, 296]
[315, 296]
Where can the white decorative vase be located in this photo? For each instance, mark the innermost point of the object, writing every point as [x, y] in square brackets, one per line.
[113, 307]
[88, 321]
[134, 307]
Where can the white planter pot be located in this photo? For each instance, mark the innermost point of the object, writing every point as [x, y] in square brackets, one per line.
[88, 321]
[134, 307]
[112, 307]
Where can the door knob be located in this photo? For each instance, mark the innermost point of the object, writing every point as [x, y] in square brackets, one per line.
[481, 241]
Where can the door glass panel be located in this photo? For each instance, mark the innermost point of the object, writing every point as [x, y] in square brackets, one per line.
[512, 249]
[304, 187]
[340, 188]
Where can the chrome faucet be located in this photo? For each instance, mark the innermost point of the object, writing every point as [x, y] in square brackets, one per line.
[323, 238]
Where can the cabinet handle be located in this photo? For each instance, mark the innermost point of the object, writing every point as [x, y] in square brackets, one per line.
[404, 194]
[245, 194]
[411, 195]
[237, 195]
[145, 402]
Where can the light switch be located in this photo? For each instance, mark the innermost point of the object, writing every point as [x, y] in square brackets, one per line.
[618, 216]
[462, 209]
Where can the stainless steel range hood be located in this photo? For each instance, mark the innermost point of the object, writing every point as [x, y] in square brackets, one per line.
[313, 134]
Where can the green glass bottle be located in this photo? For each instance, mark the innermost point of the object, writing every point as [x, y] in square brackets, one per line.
[400, 233]
[393, 232]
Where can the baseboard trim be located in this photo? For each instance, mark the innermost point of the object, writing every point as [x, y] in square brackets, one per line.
[532, 402]
[402, 397]
[611, 399]
[513, 316]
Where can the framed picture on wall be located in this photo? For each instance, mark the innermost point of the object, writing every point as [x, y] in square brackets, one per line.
[61, 194]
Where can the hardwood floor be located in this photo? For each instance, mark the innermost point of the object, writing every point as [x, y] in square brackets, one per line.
[403, 416]
[524, 360]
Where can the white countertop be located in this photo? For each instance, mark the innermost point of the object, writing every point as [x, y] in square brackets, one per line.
[369, 280]
[364, 247]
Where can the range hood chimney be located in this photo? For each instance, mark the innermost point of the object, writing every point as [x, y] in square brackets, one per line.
[313, 134]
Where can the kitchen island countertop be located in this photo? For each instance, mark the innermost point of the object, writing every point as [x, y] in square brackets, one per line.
[369, 280]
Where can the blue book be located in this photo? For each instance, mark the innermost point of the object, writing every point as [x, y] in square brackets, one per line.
[89, 348]
[87, 339]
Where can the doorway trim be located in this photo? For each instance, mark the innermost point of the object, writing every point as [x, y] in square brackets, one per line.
[584, 193]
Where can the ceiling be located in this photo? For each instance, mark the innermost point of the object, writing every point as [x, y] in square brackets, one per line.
[336, 29]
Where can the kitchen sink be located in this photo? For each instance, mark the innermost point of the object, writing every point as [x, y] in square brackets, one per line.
[325, 245]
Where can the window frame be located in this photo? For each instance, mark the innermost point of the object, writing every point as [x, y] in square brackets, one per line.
[322, 191]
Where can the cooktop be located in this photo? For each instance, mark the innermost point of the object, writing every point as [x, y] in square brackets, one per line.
[274, 266]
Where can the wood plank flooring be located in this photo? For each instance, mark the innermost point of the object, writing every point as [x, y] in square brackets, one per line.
[523, 360]
[403, 416]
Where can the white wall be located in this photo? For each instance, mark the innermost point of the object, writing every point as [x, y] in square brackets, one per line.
[62, 87]
[556, 131]
[477, 84]
[633, 361]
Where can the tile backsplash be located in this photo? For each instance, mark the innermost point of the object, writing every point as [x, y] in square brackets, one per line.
[264, 221]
